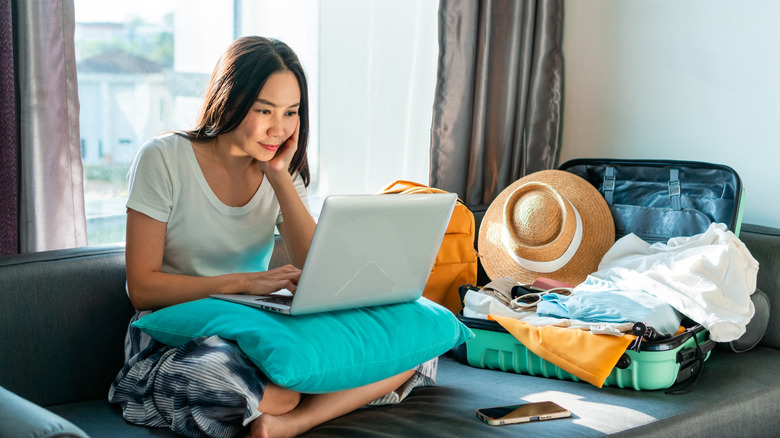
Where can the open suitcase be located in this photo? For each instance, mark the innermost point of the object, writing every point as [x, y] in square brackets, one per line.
[656, 200]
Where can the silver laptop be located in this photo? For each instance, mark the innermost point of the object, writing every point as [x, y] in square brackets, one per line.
[367, 250]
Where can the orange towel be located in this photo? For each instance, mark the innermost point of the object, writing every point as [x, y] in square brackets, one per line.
[583, 354]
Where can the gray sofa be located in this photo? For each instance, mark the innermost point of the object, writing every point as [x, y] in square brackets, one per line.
[63, 316]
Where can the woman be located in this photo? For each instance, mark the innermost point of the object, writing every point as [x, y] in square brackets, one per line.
[201, 214]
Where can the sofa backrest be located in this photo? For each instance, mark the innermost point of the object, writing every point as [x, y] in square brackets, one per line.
[64, 314]
[63, 319]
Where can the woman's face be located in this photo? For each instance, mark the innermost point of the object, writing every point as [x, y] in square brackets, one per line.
[271, 120]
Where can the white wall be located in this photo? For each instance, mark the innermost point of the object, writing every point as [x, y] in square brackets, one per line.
[691, 80]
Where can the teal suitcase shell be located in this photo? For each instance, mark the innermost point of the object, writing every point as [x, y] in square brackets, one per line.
[660, 365]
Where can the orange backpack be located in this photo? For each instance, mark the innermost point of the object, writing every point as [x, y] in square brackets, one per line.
[456, 262]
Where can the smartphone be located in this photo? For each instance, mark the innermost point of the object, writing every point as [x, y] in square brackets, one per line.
[522, 413]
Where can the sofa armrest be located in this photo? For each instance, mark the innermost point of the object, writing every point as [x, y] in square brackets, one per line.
[764, 245]
[63, 316]
[21, 418]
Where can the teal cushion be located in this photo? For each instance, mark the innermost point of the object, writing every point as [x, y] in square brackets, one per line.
[322, 352]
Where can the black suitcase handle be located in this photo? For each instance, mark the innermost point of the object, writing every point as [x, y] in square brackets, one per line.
[691, 362]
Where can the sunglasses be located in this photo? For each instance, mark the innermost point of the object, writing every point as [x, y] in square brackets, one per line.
[526, 297]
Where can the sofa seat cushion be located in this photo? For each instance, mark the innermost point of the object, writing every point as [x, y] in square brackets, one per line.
[99, 418]
[744, 386]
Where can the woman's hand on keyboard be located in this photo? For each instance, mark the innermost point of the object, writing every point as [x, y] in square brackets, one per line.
[264, 283]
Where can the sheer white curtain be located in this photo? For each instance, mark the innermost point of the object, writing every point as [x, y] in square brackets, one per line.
[52, 193]
[377, 76]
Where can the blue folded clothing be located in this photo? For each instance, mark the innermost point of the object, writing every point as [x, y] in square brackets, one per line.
[601, 304]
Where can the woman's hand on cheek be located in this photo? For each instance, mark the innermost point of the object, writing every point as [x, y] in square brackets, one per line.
[284, 277]
[281, 161]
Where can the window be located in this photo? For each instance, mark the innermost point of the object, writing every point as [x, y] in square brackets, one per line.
[143, 66]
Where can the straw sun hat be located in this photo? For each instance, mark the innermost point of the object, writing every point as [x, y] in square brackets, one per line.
[551, 224]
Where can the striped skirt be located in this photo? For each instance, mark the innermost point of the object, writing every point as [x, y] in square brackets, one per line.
[205, 388]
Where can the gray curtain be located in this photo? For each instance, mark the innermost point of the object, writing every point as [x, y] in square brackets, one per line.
[499, 95]
[9, 146]
[52, 189]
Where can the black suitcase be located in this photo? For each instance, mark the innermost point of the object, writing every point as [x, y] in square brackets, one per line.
[656, 200]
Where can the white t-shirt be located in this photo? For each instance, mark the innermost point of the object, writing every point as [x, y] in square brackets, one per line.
[204, 237]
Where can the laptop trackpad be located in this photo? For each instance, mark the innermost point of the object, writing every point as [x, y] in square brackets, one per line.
[370, 277]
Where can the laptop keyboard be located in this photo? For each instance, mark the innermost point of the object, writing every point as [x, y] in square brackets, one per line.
[276, 299]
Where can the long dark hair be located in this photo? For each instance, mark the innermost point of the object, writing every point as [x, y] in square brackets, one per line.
[235, 83]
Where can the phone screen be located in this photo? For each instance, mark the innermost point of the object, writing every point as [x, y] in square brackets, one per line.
[522, 413]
